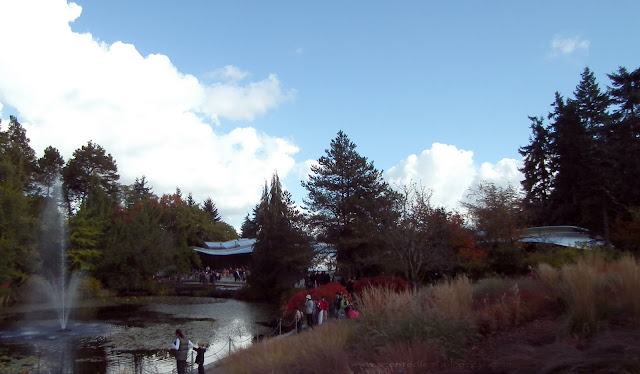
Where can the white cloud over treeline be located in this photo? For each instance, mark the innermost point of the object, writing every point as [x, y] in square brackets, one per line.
[70, 88]
[450, 172]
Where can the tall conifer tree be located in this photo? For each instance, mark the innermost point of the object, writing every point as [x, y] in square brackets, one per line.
[347, 196]
[282, 253]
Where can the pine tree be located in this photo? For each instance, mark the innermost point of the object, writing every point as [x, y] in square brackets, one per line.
[282, 253]
[347, 195]
[592, 106]
[625, 135]
[18, 220]
[49, 168]
[537, 174]
[249, 228]
[210, 208]
[138, 192]
[89, 167]
[572, 165]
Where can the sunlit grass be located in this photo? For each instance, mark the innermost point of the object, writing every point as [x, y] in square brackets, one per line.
[322, 349]
[439, 321]
[596, 292]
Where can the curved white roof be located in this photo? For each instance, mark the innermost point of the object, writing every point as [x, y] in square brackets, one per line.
[231, 247]
[566, 236]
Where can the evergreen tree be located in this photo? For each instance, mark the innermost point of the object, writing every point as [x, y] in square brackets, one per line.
[537, 174]
[625, 136]
[625, 92]
[190, 201]
[568, 165]
[18, 158]
[249, 228]
[87, 229]
[18, 208]
[282, 253]
[573, 166]
[49, 169]
[138, 192]
[347, 195]
[592, 106]
[137, 246]
[210, 208]
[89, 167]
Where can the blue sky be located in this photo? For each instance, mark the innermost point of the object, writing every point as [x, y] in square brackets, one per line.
[215, 96]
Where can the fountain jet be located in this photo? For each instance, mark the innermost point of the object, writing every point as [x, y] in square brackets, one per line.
[62, 286]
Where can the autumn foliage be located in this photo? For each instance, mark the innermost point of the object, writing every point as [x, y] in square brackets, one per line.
[328, 290]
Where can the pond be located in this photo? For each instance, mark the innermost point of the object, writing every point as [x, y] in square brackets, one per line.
[126, 335]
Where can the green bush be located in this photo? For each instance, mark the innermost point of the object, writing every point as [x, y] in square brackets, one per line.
[556, 257]
[90, 287]
[560, 256]
[507, 259]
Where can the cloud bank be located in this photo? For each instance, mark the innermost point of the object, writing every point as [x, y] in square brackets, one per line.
[450, 172]
[70, 88]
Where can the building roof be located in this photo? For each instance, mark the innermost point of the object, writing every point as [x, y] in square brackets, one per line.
[566, 236]
[231, 247]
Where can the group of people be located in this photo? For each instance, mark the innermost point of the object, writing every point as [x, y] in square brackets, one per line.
[181, 347]
[211, 276]
[315, 279]
[316, 311]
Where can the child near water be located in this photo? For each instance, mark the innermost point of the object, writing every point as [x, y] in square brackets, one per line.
[200, 356]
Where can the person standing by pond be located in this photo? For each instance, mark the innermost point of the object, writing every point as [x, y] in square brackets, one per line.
[309, 311]
[181, 345]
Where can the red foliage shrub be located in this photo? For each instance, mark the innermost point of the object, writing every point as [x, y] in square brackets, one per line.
[393, 283]
[328, 290]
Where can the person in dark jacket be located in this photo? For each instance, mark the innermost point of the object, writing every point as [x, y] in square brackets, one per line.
[200, 356]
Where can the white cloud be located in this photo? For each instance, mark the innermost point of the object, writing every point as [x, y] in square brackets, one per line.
[70, 88]
[565, 46]
[450, 172]
[243, 103]
[228, 73]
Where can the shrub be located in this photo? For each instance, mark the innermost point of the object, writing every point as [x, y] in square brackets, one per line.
[90, 287]
[557, 257]
[507, 259]
[472, 261]
[392, 283]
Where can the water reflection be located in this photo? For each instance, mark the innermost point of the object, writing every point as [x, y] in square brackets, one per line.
[130, 336]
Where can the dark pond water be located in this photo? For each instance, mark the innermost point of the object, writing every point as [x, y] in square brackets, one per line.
[126, 335]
